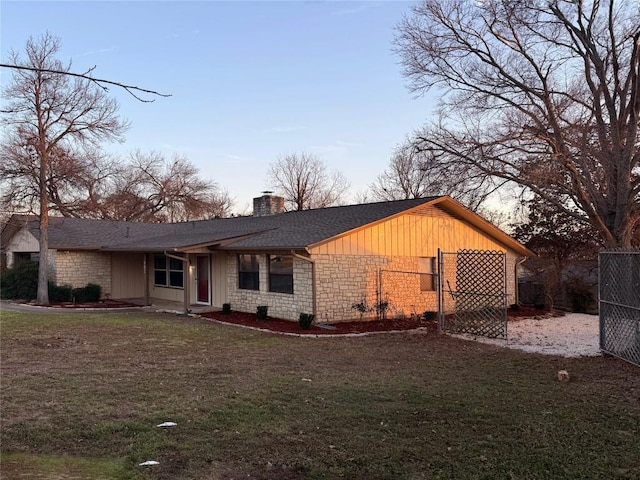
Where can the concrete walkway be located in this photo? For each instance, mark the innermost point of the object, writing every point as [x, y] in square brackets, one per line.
[167, 307]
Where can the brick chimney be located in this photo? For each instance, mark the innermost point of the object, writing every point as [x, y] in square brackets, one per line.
[267, 204]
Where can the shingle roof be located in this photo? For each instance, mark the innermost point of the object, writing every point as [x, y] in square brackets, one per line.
[290, 230]
[285, 230]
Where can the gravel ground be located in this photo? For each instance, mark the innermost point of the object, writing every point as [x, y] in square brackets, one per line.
[572, 335]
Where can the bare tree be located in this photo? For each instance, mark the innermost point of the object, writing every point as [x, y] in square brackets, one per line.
[47, 111]
[305, 182]
[544, 94]
[404, 178]
[153, 188]
[416, 173]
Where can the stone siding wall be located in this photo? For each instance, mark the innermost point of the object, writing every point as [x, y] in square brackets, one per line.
[79, 268]
[346, 280]
[281, 305]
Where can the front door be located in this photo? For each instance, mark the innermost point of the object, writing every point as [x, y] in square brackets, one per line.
[202, 274]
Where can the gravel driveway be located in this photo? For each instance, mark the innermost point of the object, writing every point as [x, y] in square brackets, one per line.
[572, 335]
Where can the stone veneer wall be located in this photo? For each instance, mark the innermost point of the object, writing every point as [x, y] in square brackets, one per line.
[281, 305]
[79, 268]
[345, 280]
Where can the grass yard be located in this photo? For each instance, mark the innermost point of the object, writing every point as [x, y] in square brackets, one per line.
[82, 395]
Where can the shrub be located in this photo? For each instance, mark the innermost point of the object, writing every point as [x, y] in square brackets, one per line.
[90, 293]
[514, 307]
[580, 294]
[60, 293]
[305, 320]
[20, 282]
[261, 312]
[361, 307]
[382, 307]
[226, 308]
[429, 315]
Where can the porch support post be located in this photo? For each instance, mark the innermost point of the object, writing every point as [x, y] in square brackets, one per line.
[440, 294]
[187, 284]
[145, 269]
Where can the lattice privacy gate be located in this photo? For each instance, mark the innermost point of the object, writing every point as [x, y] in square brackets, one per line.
[472, 295]
[620, 304]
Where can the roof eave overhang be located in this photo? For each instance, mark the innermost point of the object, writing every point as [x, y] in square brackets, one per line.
[70, 248]
[212, 245]
[263, 248]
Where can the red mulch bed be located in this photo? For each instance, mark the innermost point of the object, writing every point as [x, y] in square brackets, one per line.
[289, 326]
[279, 325]
[100, 304]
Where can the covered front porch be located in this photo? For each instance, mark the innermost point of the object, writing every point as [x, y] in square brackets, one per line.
[170, 306]
[176, 281]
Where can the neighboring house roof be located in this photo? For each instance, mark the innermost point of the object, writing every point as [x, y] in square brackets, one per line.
[290, 230]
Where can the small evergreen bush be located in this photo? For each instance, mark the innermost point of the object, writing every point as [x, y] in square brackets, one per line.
[20, 282]
[429, 315]
[261, 312]
[226, 308]
[60, 293]
[87, 294]
[580, 295]
[305, 320]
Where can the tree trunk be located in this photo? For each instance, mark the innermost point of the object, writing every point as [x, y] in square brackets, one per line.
[43, 265]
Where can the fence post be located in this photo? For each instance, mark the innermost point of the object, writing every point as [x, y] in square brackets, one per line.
[439, 290]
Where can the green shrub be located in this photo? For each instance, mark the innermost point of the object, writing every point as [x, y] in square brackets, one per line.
[305, 320]
[429, 315]
[60, 293]
[382, 307]
[261, 312]
[87, 294]
[580, 294]
[226, 308]
[20, 282]
[361, 307]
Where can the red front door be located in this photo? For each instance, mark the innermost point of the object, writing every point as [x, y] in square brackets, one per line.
[202, 272]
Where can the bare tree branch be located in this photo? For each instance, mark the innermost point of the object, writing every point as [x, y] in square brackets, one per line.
[101, 82]
[305, 183]
[545, 95]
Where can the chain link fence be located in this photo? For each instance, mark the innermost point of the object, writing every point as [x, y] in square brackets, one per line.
[407, 294]
[620, 304]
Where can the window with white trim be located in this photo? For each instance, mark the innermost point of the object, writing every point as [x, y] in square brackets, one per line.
[248, 272]
[281, 273]
[168, 272]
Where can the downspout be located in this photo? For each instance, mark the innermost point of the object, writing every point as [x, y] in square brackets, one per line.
[515, 276]
[187, 279]
[313, 281]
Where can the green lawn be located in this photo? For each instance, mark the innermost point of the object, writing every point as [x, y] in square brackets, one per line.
[82, 395]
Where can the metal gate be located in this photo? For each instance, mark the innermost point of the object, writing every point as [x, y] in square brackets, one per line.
[472, 295]
[620, 304]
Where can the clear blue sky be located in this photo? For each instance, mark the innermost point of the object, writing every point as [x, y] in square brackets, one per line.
[250, 81]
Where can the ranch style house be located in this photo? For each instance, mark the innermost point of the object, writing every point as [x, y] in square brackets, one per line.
[322, 261]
